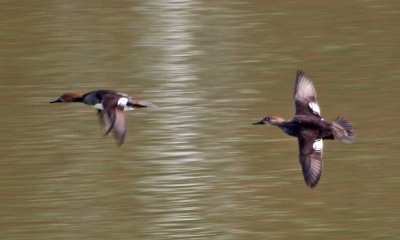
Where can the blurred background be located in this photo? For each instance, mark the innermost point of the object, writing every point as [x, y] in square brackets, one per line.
[195, 168]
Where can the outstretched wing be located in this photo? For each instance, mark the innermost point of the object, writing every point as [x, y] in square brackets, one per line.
[310, 154]
[120, 125]
[105, 121]
[113, 119]
[305, 96]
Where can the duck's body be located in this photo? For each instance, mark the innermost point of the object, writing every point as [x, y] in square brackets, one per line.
[302, 124]
[310, 128]
[111, 106]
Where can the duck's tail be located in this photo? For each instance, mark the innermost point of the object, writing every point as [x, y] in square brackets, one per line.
[343, 130]
[140, 104]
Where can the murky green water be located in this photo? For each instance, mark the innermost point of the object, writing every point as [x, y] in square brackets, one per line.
[196, 168]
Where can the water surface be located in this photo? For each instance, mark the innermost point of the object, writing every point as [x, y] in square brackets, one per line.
[195, 168]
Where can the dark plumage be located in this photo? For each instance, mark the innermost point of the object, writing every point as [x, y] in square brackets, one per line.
[310, 128]
[111, 106]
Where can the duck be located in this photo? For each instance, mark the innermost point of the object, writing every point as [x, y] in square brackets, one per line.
[310, 129]
[111, 106]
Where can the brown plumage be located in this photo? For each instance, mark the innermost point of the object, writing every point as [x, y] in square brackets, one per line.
[310, 128]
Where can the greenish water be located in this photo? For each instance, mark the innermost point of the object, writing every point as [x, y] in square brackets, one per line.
[195, 168]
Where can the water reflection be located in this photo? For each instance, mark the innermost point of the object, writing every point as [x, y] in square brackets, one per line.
[178, 162]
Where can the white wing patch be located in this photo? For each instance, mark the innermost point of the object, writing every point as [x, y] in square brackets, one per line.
[122, 102]
[99, 106]
[318, 145]
[315, 108]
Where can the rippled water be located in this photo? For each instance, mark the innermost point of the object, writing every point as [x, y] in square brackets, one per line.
[195, 168]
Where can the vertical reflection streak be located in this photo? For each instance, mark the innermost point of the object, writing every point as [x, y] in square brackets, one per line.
[175, 187]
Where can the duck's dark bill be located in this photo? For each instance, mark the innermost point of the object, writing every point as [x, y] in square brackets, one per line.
[259, 122]
[56, 101]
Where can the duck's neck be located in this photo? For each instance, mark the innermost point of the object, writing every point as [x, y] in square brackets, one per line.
[77, 99]
[285, 127]
[280, 124]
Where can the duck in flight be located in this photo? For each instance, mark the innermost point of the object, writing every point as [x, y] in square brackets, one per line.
[110, 107]
[310, 128]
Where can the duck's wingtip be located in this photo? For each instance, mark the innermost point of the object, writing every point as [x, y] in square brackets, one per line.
[313, 184]
[300, 73]
[119, 141]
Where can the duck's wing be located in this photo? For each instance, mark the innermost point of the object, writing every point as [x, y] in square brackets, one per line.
[310, 154]
[134, 103]
[120, 125]
[113, 119]
[305, 96]
[105, 121]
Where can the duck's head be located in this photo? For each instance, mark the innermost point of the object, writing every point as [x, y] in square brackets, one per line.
[68, 97]
[273, 120]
